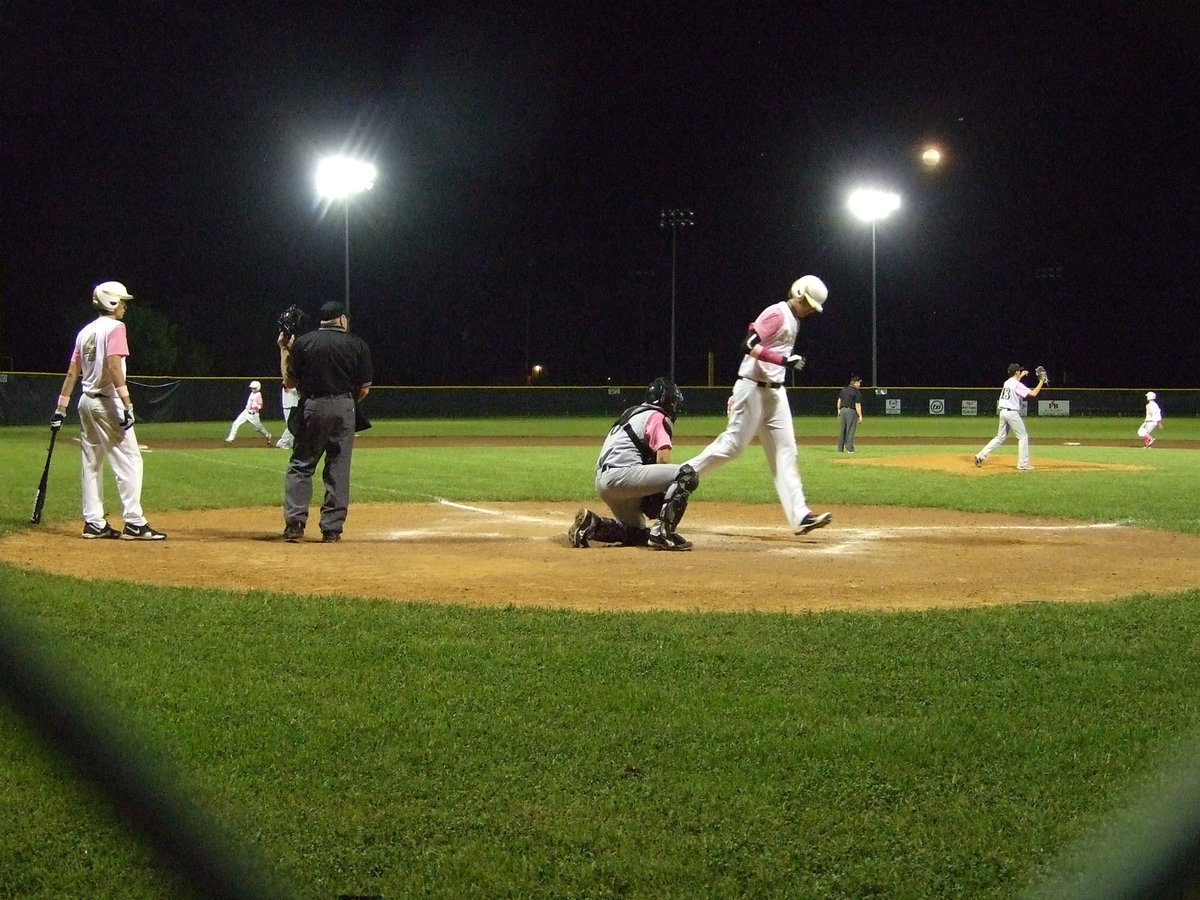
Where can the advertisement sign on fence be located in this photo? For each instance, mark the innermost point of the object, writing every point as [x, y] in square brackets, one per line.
[1054, 407]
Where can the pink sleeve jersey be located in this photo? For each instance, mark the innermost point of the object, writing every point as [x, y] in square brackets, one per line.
[777, 327]
[97, 341]
[254, 402]
[658, 435]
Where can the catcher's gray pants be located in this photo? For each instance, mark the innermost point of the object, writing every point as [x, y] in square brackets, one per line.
[1010, 419]
[849, 424]
[327, 430]
[622, 489]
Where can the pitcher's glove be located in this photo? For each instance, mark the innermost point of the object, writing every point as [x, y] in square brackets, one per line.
[1040, 372]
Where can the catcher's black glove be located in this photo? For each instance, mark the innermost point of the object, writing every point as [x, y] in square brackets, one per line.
[1040, 372]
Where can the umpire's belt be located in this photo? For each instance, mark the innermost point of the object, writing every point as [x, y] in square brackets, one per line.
[771, 385]
[327, 396]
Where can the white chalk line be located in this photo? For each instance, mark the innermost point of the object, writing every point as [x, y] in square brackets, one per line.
[830, 543]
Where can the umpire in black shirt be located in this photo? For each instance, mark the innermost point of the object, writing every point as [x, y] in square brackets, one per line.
[332, 369]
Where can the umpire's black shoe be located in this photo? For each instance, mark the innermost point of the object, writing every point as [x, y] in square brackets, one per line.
[293, 533]
[581, 530]
[330, 537]
[141, 533]
[813, 521]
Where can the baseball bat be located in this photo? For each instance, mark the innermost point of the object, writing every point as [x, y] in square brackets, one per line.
[39, 499]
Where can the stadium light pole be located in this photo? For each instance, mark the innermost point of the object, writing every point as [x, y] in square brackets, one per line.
[871, 206]
[674, 219]
[340, 178]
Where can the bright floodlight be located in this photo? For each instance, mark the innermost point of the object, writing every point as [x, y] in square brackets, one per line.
[339, 176]
[871, 205]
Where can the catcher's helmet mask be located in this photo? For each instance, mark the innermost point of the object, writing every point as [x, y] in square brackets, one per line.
[665, 393]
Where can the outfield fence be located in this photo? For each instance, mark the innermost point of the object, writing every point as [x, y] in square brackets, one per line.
[28, 398]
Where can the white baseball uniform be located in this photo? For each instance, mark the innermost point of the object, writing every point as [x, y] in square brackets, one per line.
[1009, 407]
[290, 399]
[254, 405]
[759, 408]
[1153, 420]
[100, 417]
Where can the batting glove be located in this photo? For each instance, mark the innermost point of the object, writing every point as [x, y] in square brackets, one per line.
[56, 420]
[127, 417]
[795, 362]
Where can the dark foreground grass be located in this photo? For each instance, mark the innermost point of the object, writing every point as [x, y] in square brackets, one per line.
[398, 750]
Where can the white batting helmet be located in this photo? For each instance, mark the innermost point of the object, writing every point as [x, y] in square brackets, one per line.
[1150, 395]
[106, 296]
[812, 289]
[255, 386]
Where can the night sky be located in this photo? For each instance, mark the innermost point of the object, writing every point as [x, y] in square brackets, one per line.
[526, 151]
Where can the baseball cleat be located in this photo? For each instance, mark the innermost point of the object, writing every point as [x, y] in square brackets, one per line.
[1024, 468]
[330, 537]
[978, 462]
[92, 532]
[141, 533]
[1150, 443]
[661, 541]
[813, 521]
[293, 533]
[581, 529]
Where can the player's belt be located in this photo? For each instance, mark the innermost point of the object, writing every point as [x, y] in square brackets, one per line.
[95, 395]
[770, 385]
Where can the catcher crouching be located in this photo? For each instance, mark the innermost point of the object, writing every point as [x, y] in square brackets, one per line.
[637, 481]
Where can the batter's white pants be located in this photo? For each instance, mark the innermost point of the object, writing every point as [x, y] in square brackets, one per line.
[103, 439]
[254, 421]
[1010, 419]
[1145, 428]
[766, 414]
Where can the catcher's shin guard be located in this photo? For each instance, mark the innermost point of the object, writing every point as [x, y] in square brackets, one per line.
[676, 497]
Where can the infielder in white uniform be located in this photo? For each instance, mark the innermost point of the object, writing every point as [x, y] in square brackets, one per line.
[759, 405]
[1153, 420]
[1009, 407]
[290, 398]
[251, 414]
[106, 418]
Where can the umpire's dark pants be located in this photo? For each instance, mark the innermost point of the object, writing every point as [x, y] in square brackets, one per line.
[327, 429]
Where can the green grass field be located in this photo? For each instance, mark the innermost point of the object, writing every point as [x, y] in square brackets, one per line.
[392, 750]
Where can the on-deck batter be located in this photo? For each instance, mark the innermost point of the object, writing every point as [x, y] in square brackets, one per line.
[106, 417]
[759, 405]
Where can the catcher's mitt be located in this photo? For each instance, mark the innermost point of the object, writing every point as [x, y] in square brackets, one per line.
[293, 320]
[1040, 372]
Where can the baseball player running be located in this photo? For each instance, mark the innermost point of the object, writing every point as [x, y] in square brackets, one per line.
[1153, 420]
[106, 418]
[635, 478]
[1009, 408]
[251, 414]
[759, 406]
[290, 398]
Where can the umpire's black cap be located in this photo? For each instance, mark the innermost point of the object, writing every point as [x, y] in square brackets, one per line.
[331, 310]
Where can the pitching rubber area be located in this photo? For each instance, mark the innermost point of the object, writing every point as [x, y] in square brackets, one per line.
[745, 558]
